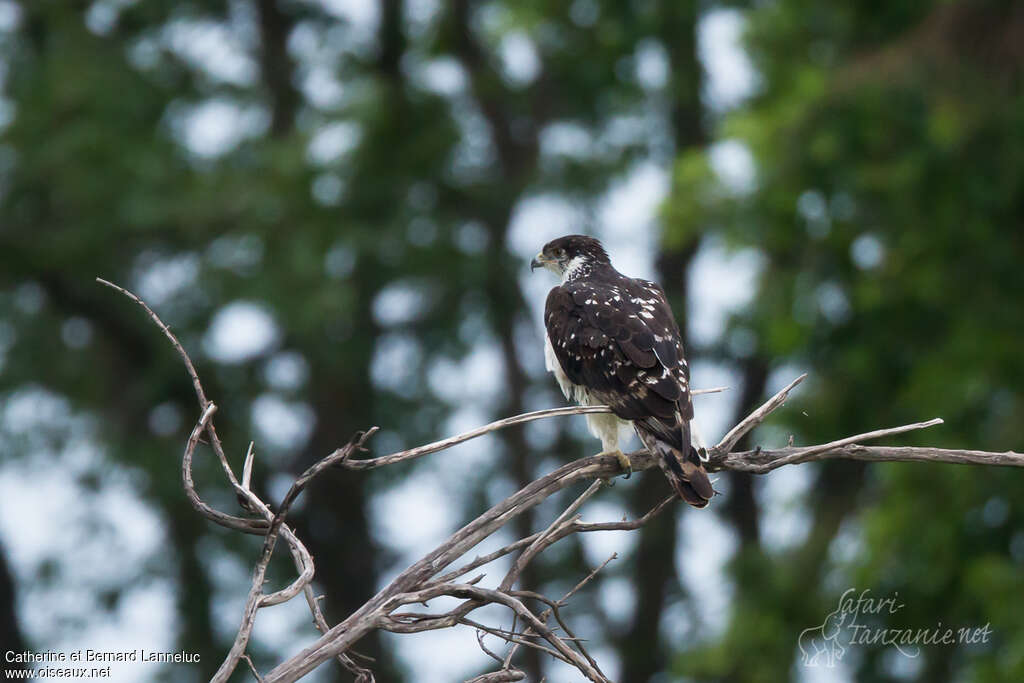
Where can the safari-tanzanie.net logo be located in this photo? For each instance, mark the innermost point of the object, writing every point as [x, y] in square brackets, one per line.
[825, 645]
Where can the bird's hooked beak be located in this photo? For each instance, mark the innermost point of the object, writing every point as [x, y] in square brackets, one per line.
[539, 261]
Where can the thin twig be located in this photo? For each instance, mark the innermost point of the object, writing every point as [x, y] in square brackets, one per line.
[253, 603]
[252, 668]
[498, 597]
[733, 436]
[247, 466]
[553, 608]
[627, 525]
[539, 544]
[189, 366]
[514, 638]
[338, 456]
[587, 579]
[480, 641]
[499, 676]
[252, 526]
[809, 453]
[249, 526]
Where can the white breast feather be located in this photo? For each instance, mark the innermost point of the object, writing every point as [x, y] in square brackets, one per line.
[604, 426]
[569, 389]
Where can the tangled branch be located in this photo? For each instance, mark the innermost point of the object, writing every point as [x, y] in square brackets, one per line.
[424, 581]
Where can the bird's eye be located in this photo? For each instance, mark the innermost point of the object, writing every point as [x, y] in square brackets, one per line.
[559, 253]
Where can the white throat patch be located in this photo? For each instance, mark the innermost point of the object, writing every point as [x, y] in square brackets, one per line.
[573, 267]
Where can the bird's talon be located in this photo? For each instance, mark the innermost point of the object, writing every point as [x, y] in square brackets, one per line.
[624, 463]
[623, 459]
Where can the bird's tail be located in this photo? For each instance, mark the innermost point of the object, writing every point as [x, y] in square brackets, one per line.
[687, 476]
[686, 473]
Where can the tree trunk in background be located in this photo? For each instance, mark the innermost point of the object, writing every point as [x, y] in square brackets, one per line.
[686, 111]
[506, 304]
[642, 651]
[10, 634]
[654, 571]
[741, 508]
[517, 156]
[195, 594]
[277, 67]
[334, 523]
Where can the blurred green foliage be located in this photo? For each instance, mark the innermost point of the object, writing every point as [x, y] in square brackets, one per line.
[343, 178]
[887, 141]
[354, 182]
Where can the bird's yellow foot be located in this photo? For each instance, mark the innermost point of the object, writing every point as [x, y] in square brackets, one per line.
[623, 459]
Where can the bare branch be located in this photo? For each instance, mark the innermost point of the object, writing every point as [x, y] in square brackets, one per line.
[627, 525]
[541, 542]
[247, 467]
[499, 597]
[338, 456]
[764, 461]
[712, 390]
[601, 467]
[481, 560]
[553, 609]
[499, 676]
[733, 436]
[230, 521]
[587, 579]
[514, 638]
[809, 453]
[251, 526]
[249, 615]
[424, 580]
[196, 384]
[443, 444]
[480, 641]
[576, 526]
[252, 668]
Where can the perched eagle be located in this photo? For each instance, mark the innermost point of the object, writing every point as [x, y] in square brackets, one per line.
[611, 340]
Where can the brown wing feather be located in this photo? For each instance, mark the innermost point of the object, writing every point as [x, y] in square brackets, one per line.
[618, 339]
[601, 345]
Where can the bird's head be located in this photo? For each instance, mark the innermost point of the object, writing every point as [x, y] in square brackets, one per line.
[571, 255]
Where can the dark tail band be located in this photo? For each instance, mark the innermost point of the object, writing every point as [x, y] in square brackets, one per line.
[687, 476]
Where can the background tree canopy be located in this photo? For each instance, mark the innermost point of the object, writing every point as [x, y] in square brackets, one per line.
[333, 205]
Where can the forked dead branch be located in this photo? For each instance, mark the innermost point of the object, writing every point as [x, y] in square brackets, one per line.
[428, 579]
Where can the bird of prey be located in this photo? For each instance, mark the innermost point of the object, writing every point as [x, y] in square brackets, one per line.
[612, 340]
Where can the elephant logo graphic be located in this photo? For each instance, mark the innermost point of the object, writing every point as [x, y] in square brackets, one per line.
[820, 646]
